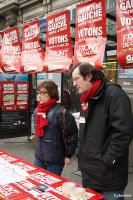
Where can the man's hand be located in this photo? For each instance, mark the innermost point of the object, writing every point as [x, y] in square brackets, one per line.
[67, 161]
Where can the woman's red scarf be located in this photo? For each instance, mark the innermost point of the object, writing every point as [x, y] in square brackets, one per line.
[41, 120]
[89, 94]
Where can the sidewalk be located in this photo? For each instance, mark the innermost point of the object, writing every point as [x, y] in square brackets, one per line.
[24, 149]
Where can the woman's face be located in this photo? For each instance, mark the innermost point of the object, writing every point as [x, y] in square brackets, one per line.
[43, 96]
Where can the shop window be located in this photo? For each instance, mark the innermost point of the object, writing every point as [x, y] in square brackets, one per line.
[110, 70]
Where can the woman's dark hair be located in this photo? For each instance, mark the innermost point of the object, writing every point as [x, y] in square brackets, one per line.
[51, 88]
[86, 68]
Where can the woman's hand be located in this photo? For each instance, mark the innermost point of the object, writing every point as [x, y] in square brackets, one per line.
[67, 161]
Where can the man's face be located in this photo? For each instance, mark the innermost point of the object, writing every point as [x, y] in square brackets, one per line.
[80, 83]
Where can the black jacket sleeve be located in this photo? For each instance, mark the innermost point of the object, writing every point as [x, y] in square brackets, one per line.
[72, 134]
[120, 126]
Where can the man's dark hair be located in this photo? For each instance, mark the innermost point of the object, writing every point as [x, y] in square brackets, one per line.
[86, 68]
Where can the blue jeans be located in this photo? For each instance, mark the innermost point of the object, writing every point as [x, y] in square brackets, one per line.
[113, 195]
[56, 169]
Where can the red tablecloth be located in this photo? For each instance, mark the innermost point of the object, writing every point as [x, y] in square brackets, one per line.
[27, 189]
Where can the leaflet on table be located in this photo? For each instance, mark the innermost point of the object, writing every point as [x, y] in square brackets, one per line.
[8, 157]
[26, 167]
[10, 191]
[45, 178]
[33, 188]
[38, 191]
[10, 173]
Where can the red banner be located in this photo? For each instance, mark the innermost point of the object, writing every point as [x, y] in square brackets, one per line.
[8, 95]
[58, 43]
[124, 14]
[22, 89]
[90, 33]
[11, 51]
[1, 38]
[32, 51]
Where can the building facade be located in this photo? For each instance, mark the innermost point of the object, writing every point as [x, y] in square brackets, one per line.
[17, 12]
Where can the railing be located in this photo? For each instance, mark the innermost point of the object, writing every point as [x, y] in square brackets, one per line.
[111, 5]
[7, 3]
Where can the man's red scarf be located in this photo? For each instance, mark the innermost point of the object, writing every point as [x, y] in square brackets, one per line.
[41, 120]
[89, 94]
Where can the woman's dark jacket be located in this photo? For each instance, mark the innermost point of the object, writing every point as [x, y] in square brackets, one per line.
[103, 152]
[50, 148]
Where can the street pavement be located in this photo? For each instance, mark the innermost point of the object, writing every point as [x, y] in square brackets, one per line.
[24, 149]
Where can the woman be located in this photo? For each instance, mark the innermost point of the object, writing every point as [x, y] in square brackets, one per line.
[50, 151]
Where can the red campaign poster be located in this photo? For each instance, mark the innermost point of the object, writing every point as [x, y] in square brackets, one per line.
[58, 56]
[8, 158]
[124, 14]
[32, 50]
[10, 191]
[22, 89]
[8, 95]
[1, 38]
[90, 33]
[11, 51]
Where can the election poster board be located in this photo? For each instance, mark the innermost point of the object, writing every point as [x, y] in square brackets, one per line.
[58, 57]
[1, 38]
[14, 95]
[11, 51]
[32, 51]
[124, 14]
[15, 116]
[90, 33]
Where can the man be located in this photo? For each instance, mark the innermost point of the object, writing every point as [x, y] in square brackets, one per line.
[103, 151]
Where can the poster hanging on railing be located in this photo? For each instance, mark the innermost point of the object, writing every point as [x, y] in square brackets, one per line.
[32, 50]
[58, 56]
[90, 33]
[1, 38]
[124, 14]
[11, 51]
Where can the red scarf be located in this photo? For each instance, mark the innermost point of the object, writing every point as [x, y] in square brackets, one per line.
[89, 94]
[41, 120]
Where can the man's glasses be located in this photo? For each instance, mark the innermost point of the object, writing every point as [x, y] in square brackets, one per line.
[76, 79]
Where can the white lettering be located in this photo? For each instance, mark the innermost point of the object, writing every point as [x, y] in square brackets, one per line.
[61, 53]
[126, 21]
[58, 39]
[126, 5]
[92, 31]
[90, 15]
[129, 58]
[57, 25]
